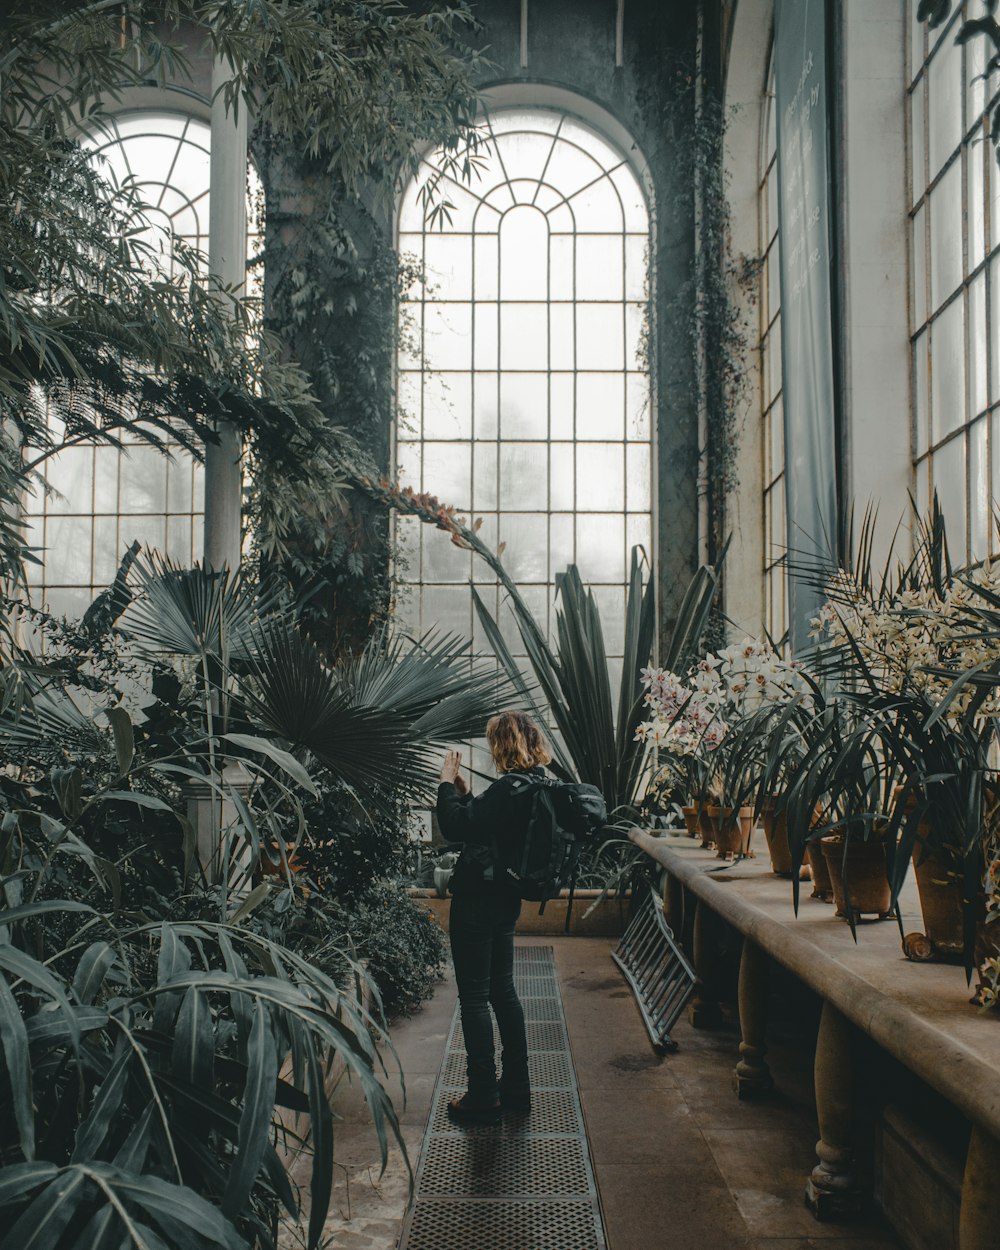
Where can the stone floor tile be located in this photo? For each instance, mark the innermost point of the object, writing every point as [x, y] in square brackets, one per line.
[655, 1205]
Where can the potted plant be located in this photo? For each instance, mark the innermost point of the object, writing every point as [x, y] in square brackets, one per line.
[921, 650]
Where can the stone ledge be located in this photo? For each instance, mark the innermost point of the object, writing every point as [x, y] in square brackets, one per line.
[919, 1013]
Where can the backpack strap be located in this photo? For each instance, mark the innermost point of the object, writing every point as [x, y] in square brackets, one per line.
[569, 901]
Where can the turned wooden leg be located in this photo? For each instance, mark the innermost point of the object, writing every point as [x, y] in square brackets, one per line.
[673, 904]
[832, 1191]
[979, 1217]
[752, 1075]
[703, 1010]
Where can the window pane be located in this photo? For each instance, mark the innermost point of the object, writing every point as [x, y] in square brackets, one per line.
[600, 546]
[523, 339]
[945, 86]
[600, 477]
[448, 472]
[948, 466]
[600, 336]
[448, 265]
[948, 370]
[523, 405]
[977, 345]
[524, 255]
[946, 235]
[484, 472]
[448, 335]
[523, 478]
[599, 269]
[600, 406]
[979, 492]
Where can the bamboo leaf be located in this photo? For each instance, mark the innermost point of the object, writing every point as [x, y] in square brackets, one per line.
[258, 1107]
[121, 727]
[284, 759]
[194, 1040]
[14, 1038]
[252, 901]
[17, 1180]
[95, 963]
[42, 1224]
[108, 1103]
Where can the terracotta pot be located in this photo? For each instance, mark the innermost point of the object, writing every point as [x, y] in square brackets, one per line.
[734, 832]
[866, 875]
[940, 891]
[822, 885]
[776, 833]
[690, 815]
[708, 824]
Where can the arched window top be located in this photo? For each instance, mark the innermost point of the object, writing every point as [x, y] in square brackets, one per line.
[542, 158]
[164, 158]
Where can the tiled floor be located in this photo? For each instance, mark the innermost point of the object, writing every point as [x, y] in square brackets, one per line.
[681, 1163]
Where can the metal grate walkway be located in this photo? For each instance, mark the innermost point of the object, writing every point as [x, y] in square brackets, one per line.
[529, 1182]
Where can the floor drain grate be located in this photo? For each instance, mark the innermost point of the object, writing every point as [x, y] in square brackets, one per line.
[529, 1182]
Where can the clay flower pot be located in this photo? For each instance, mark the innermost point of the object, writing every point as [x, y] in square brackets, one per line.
[735, 829]
[866, 876]
[690, 814]
[941, 905]
[708, 824]
[941, 892]
[776, 834]
[822, 885]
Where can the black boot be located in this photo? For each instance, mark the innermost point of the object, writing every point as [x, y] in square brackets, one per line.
[467, 1110]
[515, 1098]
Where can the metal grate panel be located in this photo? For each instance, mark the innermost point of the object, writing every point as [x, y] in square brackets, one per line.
[516, 1166]
[541, 1008]
[528, 1183]
[535, 987]
[655, 967]
[541, 1035]
[504, 1226]
[552, 1111]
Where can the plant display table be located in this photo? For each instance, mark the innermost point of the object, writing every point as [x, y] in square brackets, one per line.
[919, 1013]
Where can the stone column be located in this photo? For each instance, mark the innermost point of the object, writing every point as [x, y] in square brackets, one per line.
[227, 259]
[673, 904]
[832, 1191]
[703, 1010]
[223, 852]
[979, 1218]
[752, 1075]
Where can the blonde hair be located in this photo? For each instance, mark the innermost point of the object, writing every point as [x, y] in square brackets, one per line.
[516, 742]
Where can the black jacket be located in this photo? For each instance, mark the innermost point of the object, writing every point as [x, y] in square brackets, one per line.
[476, 822]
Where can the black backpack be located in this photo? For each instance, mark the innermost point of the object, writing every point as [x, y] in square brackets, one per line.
[540, 853]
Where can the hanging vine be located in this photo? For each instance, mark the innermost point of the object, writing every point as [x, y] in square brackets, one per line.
[706, 305]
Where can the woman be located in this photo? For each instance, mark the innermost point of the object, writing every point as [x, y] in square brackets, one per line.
[483, 914]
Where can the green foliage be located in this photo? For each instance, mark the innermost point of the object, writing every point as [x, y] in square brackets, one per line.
[401, 943]
[142, 1082]
[93, 330]
[708, 363]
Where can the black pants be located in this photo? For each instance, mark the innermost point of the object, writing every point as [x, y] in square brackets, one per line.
[481, 929]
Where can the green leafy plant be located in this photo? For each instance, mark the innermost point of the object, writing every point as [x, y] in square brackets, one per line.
[147, 1072]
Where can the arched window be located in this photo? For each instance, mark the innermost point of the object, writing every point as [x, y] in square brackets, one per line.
[106, 499]
[523, 386]
[773, 433]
